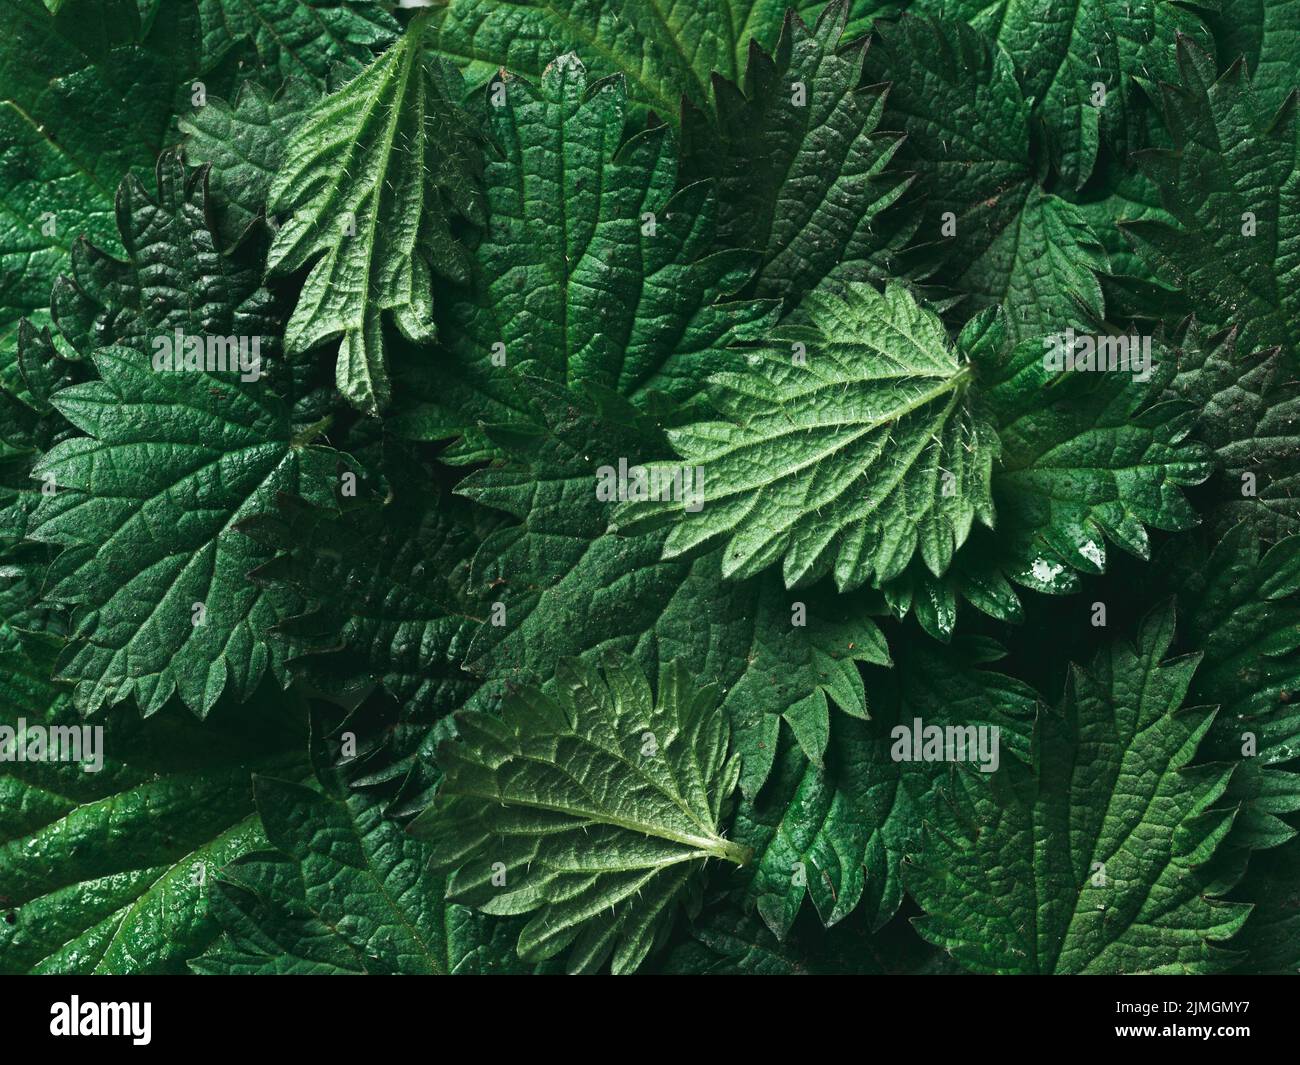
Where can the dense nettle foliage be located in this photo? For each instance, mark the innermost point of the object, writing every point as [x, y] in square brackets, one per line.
[614, 485]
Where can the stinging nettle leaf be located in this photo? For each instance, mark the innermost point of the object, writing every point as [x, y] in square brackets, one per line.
[307, 39]
[372, 181]
[594, 810]
[244, 143]
[347, 892]
[1095, 859]
[851, 447]
[112, 871]
[801, 176]
[988, 230]
[1232, 182]
[1080, 61]
[175, 275]
[593, 267]
[145, 509]
[665, 50]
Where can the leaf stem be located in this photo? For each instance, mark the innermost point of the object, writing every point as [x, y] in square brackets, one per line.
[311, 432]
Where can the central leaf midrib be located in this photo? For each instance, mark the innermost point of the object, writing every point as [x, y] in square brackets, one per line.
[709, 845]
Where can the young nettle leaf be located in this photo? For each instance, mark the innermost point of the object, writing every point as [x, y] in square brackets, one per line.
[1232, 181]
[799, 161]
[1079, 63]
[847, 456]
[372, 180]
[594, 810]
[1095, 859]
[112, 870]
[988, 228]
[145, 506]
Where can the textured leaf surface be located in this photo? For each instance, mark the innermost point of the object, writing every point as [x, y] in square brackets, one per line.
[838, 832]
[1232, 181]
[801, 176]
[145, 507]
[346, 892]
[988, 228]
[665, 48]
[1248, 413]
[244, 143]
[300, 38]
[112, 871]
[175, 275]
[594, 810]
[847, 456]
[591, 268]
[1241, 608]
[1095, 859]
[409, 165]
[1062, 50]
[1086, 457]
[569, 588]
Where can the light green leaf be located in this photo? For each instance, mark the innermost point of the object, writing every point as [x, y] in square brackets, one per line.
[595, 810]
[409, 166]
[847, 449]
[567, 588]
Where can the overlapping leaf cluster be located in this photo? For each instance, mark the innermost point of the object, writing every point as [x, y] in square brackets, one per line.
[403, 660]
